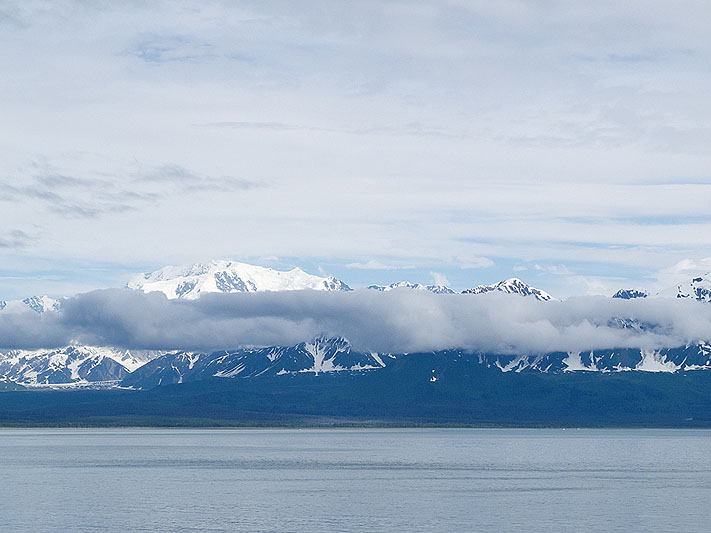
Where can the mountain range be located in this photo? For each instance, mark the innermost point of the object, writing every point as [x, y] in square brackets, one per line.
[449, 388]
[102, 367]
[81, 366]
[229, 276]
[511, 286]
[38, 304]
[335, 355]
[78, 366]
[437, 289]
[221, 276]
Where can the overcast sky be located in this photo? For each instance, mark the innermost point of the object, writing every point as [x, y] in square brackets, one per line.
[565, 143]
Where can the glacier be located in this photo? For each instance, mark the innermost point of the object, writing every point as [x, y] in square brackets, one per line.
[229, 276]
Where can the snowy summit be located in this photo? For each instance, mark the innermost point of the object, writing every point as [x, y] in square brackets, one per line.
[437, 289]
[229, 276]
[512, 286]
[38, 304]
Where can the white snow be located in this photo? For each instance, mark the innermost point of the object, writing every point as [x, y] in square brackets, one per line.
[437, 289]
[515, 364]
[653, 361]
[27, 366]
[697, 288]
[377, 358]
[231, 373]
[574, 363]
[38, 304]
[512, 286]
[318, 349]
[229, 276]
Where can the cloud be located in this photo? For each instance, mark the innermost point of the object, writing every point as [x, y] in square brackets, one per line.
[412, 129]
[681, 271]
[596, 285]
[171, 48]
[378, 147]
[274, 126]
[556, 270]
[689, 267]
[73, 196]
[475, 262]
[10, 18]
[86, 193]
[439, 278]
[15, 239]
[374, 264]
[185, 180]
[393, 321]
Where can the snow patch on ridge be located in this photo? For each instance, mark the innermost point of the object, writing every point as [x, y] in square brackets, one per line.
[653, 361]
[574, 363]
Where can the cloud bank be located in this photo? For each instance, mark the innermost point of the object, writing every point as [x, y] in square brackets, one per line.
[393, 321]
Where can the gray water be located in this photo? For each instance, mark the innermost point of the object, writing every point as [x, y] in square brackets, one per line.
[355, 480]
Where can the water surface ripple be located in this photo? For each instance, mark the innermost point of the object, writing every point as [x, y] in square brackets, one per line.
[414, 480]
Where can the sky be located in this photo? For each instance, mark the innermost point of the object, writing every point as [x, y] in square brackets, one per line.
[564, 143]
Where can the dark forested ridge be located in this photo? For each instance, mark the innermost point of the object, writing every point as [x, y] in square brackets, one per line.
[404, 393]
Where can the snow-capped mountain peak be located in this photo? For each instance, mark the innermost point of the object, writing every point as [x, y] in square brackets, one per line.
[630, 294]
[229, 276]
[70, 365]
[437, 289]
[38, 304]
[698, 288]
[511, 286]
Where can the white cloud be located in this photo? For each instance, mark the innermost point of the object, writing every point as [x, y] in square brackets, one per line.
[374, 264]
[683, 270]
[475, 262]
[689, 267]
[556, 270]
[391, 321]
[596, 285]
[439, 279]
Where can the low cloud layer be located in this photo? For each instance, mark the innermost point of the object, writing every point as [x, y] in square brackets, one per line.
[394, 321]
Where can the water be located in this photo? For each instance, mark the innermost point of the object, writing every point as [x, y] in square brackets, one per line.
[355, 480]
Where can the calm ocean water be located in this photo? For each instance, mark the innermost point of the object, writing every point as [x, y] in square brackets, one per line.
[355, 480]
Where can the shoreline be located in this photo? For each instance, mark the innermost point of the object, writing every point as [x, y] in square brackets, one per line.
[351, 426]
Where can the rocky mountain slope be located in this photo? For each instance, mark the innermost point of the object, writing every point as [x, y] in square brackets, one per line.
[630, 294]
[321, 355]
[72, 365]
[332, 356]
[81, 366]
